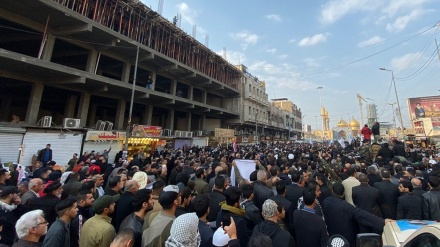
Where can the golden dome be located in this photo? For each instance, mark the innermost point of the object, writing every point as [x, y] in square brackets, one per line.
[342, 123]
[354, 123]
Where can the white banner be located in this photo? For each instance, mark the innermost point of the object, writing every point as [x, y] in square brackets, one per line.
[245, 167]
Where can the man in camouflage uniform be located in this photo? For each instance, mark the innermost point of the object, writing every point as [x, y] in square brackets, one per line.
[366, 152]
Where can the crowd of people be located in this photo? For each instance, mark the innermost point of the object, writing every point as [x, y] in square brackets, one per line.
[299, 194]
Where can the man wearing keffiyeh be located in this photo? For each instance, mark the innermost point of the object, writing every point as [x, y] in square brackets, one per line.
[184, 232]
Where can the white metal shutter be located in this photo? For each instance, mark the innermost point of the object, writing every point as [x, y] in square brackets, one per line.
[101, 146]
[62, 149]
[9, 146]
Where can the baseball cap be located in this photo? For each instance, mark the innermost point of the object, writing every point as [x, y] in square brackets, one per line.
[104, 202]
[6, 191]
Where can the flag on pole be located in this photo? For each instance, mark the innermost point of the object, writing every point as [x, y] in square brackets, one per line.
[235, 144]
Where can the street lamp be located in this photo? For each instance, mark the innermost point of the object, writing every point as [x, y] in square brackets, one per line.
[130, 113]
[397, 99]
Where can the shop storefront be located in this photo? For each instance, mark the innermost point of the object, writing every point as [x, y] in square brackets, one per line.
[63, 144]
[10, 144]
[146, 138]
[222, 137]
[104, 140]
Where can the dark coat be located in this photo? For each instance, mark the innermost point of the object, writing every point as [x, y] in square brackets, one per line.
[76, 223]
[431, 205]
[206, 234]
[72, 187]
[240, 224]
[310, 229]
[261, 194]
[388, 194]
[10, 218]
[135, 223]
[343, 218]
[216, 197]
[252, 215]
[386, 153]
[57, 234]
[279, 237]
[293, 193]
[325, 192]
[42, 154]
[123, 208]
[374, 178]
[367, 198]
[47, 204]
[287, 206]
[408, 207]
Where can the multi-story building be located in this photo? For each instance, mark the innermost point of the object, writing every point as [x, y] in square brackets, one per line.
[68, 67]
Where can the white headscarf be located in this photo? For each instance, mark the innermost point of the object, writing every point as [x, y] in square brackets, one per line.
[184, 232]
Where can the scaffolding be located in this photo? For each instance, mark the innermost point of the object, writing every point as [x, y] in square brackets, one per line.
[136, 21]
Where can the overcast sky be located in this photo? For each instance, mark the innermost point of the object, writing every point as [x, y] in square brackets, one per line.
[297, 46]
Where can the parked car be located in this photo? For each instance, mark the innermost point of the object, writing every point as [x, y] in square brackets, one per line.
[411, 233]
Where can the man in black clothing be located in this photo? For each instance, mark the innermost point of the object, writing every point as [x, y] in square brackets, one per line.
[252, 215]
[45, 155]
[388, 194]
[294, 191]
[310, 228]
[366, 197]
[385, 153]
[216, 197]
[270, 227]
[408, 204]
[200, 205]
[343, 218]
[261, 192]
[280, 186]
[431, 200]
[123, 206]
[84, 200]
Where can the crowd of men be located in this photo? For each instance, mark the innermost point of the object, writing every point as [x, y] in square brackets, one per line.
[300, 194]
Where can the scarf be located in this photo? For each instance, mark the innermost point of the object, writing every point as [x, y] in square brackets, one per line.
[184, 232]
[232, 209]
[7, 207]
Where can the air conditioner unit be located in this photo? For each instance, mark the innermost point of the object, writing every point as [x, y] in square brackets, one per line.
[178, 133]
[109, 125]
[166, 132]
[46, 121]
[100, 125]
[189, 134]
[71, 123]
[199, 133]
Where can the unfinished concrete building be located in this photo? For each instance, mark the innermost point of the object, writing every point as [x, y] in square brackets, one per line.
[77, 58]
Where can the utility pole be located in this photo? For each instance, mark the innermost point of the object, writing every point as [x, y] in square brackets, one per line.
[397, 99]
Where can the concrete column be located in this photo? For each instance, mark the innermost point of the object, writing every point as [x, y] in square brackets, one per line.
[202, 122]
[170, 120]
[126, 72]
[204, 96]
[147, 115]
[34, 103]
[83, 109]
[173, 87]
[92, 120]
[190, 92]
[188, 121]
[120, 112]
[70, 106]
[91, 61]
[5, 108]
[48, 48]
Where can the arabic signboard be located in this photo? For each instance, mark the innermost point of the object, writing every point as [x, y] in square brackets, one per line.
[146, 131]
[219, 132]
[425, 111]
[105, 136]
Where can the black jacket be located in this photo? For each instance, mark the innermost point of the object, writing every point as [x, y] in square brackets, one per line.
[123, 208]
[388, 194]
[386, 153]
[310, 229]
[343, 218]
[408, 207]
[240, 225]
[10, 217]
[367, 198]
[47, 204]
[252, 215]
[216, 197]
[76, 223]
[261, 194]
[280, 237]
[293, 193]
[431, 205]
[134, 223]
[42, 154]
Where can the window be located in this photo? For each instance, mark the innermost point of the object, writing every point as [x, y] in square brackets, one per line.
[424, 240]
[250, 110]
[250, 88]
